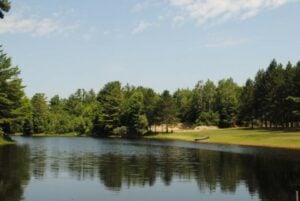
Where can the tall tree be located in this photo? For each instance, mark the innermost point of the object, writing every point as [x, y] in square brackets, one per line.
[40, 113]
[134, 116]
[246, 110]
[150, 99]
[228, 93]
[11, 91]
[25, 114]
[274, 82]
[208, 115]
[166, 109]
[209, 96]
[259, 100]
[196, 102]
[183, 101]
[110, 100]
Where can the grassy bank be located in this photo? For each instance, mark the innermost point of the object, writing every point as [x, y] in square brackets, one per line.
[4, 142]
[55, 135]
[249, 137]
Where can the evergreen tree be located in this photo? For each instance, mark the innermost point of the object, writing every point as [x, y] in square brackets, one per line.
[274, 81]
[166, 109]
[259, 100]
[110, 100]
[246, 110]
[11, 92]
[133, 116]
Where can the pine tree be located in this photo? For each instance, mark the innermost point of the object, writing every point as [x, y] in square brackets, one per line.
[133, 116]
[11, 92]
[166, 109]
[110, 100]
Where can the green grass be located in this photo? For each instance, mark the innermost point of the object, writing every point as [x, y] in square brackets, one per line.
[238, 136]
[55, 135]
[4, 142]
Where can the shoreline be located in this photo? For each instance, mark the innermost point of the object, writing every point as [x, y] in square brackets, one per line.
[260, 138]
[51, 135]
[5, 142]
[227, 144]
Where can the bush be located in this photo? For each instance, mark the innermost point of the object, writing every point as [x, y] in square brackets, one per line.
[120, 131]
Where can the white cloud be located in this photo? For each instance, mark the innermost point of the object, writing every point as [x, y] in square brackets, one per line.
[204, 10]
[141, 27]
[19, 23]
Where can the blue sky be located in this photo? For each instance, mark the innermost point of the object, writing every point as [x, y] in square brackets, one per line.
[62, 45]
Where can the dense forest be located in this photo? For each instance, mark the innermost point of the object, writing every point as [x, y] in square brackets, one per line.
[270, 100]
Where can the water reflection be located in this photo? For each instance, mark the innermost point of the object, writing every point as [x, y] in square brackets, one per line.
[121, 164]
[14, 172]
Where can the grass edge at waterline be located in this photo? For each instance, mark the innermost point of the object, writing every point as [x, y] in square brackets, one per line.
[5, 142]
[289, 139]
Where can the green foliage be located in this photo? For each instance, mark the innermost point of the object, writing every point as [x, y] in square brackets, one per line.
[209, 96]
[133, 115]
[208, 119]
[40, 113]
[246, 110]
[272, 107]
[196, 105]
[11, 92]
[183, 102]
[295, 104]
[150, 99]
[28, 127]
[270, 100]
[166, 109]
[82, 125]
[110, 101]
[120, 131]
[228, 94]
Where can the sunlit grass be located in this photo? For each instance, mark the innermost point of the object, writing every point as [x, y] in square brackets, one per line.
[56, 135]
[238, 136]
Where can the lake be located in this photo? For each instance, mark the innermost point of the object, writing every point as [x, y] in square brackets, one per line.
[88, 169]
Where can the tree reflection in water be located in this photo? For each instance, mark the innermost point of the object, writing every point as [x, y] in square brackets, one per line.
[14, 172]
[271, 177]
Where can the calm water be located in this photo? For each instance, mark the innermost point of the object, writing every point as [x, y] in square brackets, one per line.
[86, 169]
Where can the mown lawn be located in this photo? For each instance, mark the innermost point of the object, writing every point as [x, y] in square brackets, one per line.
[251, 137]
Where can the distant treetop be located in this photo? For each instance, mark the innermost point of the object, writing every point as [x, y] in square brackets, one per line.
[4, 7]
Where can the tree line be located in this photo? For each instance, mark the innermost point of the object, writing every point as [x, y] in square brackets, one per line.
[270, 100]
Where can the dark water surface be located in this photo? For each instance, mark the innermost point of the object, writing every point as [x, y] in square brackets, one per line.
[86, 169]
